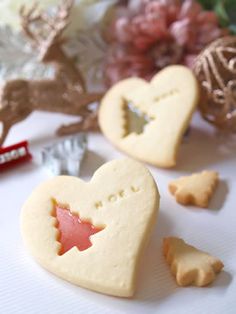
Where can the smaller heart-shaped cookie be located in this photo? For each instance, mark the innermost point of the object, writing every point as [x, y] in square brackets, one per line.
[93, 233]
[147, 120]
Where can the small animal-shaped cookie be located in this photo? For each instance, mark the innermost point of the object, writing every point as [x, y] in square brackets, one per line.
[190, 265]
[196, 189]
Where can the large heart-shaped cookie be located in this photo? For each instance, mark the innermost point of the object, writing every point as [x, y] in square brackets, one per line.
[117, 208]
[164, 106]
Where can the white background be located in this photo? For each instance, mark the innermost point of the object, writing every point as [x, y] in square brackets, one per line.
[27, 288]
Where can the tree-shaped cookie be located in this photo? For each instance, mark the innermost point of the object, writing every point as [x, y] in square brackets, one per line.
[189, 265]
[196, 189]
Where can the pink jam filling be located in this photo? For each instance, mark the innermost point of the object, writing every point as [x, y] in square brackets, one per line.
[73, 230]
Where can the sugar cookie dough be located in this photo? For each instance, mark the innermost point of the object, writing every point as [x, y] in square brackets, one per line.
[164, 107]
[121, 201]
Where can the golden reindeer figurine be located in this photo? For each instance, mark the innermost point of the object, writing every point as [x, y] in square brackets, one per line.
[65, 93]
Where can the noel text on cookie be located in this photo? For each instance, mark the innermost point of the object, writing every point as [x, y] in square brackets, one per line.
[112, 198]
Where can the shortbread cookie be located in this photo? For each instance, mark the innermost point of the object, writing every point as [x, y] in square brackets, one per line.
[93, 233]
[196, 189]
[189, 265]
[163, 109]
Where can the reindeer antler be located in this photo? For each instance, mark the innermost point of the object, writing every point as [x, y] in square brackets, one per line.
[43, 29]
[65, 92]
[27, 18]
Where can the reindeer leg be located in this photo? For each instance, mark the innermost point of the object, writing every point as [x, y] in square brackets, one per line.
[87, 123]
[4, 133]
[79, 102]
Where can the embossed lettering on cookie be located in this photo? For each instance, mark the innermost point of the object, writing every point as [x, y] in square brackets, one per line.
[147, 120]
[81, 231]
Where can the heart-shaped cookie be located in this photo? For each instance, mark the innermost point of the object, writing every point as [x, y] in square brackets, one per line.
[164, 106]
[115, 213]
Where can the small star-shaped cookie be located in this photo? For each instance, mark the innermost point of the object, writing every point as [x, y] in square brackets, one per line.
[196, 189]
[190, 265]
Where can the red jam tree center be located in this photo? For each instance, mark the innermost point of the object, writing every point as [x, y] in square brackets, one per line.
[73, 230]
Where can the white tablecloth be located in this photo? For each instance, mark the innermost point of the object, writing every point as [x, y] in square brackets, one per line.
[27, 288]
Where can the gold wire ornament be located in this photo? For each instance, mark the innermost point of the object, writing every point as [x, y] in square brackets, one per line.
[215, 69]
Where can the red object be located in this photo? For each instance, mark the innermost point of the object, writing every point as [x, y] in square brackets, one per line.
[73, 230]
[14, 154]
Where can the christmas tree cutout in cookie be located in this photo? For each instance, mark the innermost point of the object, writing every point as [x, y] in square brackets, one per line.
[135, 120]
[73, 230]
[189, 265]
[196, 189]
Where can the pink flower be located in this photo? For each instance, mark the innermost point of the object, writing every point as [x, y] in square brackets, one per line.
[183, 32]
[190, 9]
[122, 30]
[123, 62]
[147, 35]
